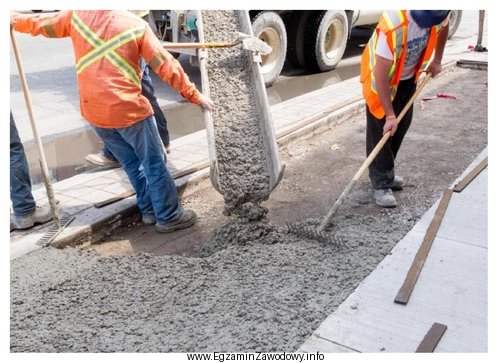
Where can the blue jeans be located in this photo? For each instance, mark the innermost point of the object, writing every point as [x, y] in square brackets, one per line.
[23, 202]
[139, 150]
[148, 92]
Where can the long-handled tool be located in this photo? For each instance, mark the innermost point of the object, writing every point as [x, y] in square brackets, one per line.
[318, 233]
[60, 221]
[248, 42]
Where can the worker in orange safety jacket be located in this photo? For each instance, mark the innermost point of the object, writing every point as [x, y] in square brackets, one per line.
[105, 157]
[108, 46]
[404, 44]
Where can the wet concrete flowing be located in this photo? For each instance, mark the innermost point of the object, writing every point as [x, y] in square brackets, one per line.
[238, 133]
[263, 293]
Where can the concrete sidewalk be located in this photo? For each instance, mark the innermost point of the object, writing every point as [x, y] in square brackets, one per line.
[451, 288]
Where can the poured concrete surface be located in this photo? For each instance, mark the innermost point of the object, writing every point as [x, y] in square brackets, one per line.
[253, 296]
[451, 288]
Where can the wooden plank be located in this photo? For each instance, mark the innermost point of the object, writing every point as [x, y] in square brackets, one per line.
[178, 174]
[115, 199]
[419, 260]
[470, 176]
[432, 338]
[472, 64]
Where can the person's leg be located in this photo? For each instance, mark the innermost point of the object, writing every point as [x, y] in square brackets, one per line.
[107, 153]
[144, 138]
[148, 92]
[381, 170]
[22, 199]
[26, 212]
[406, 89]
[125, 154]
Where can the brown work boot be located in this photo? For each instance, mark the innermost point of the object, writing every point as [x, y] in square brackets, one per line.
[187, 219]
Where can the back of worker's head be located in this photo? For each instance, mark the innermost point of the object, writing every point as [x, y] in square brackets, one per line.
[429, 18]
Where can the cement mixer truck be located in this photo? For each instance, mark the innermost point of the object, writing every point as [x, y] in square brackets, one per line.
[310, 39]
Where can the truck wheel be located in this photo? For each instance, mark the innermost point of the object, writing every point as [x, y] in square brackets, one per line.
[295, 25]
[325, 37]
[269, 27]
[455, 19]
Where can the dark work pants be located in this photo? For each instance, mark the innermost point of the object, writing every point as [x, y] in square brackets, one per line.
[381, 171]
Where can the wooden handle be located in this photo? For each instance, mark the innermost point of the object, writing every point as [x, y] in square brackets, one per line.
[43, 161]
[326, 220]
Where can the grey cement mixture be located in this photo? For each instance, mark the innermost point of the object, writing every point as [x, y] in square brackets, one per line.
[239, 145]
[255, 289]
[252, 296]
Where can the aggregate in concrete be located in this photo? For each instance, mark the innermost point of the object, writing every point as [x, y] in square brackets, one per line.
[243, 172]
[251, 294]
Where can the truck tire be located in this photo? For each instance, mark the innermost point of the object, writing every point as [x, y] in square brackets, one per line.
[326, 35]
[295, 25]
[269, 27]
[455, 19]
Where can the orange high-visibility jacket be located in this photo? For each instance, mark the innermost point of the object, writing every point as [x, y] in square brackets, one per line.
[107, 47]
[395, 25]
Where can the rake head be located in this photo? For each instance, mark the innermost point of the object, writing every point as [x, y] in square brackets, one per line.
[55, 229]
[315, 234]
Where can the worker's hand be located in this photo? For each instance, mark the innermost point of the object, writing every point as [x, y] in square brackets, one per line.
[435, 67]
[390, 125]
[206, 104]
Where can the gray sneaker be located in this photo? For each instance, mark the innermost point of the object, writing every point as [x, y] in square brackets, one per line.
[101, 160]
[384, 198]
[39, 216]
[398, 183]
[187, 219]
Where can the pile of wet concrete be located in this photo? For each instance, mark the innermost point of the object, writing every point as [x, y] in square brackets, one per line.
[256, 289]
[245, 297]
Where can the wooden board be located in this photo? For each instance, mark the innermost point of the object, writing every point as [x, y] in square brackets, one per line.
[177, 174]
[470, 176]
[432, 338]
[419, 260]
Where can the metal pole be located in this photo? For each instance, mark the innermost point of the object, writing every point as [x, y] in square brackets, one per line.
[479, 47]
[42, 159]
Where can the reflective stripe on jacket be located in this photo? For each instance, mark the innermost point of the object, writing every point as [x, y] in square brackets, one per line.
[107, 47]
[394, 24]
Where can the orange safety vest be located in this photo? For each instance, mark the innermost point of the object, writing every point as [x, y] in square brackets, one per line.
[107, 47]
[394, 24]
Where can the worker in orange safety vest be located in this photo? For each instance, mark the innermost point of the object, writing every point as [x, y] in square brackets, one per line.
[404, 44]
[105, 157]
[108, 46]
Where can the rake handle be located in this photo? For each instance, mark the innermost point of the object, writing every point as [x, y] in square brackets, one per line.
[370, 158]
[43, 161]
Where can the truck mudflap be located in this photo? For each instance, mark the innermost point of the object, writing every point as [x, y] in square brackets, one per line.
[244, 158]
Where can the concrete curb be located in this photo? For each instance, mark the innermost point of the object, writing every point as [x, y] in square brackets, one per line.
[125, 211]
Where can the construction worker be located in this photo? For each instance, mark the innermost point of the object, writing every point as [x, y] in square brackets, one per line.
[26, 212]
[105, 157]
[399, 50]
[108, 46]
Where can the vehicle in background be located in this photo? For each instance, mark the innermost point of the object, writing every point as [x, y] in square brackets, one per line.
[310, 39]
